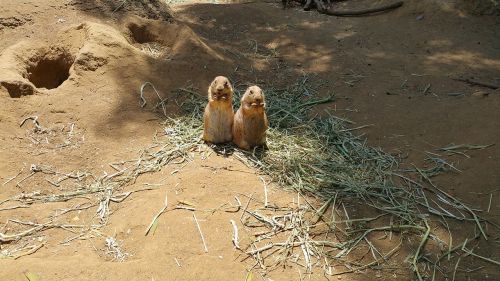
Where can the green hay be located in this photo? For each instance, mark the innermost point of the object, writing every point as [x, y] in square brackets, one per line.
[316, 154]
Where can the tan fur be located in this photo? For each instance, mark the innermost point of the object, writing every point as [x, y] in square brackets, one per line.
[219, 114]
[250, 121]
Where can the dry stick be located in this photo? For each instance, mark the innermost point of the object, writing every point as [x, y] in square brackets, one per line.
[356, 128]
[157, 215]
[307, 258]
[478, 256]
[324, 208]
[362, 12]
[48, 224]
[235, 235]
[377, 261]
[293, 244]
[119, 6]
[18, 184]
[14, 207]
[143, 100]
[456, 267]
[239, 203]
[489, 204]
[32, 251]
[319, 5]
[181, 207]
[383, 228]
[422, 243]
[14, 237]
[458, 247]
[478, 83]
[35, 122]
[201, 234]
[67, 240]
[265, 192]
[246, 207]
[14, 177]
[120, 197]
[308, 4]
[474, 216]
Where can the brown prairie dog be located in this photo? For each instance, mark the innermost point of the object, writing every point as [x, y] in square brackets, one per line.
[250, 121]
[219, 114]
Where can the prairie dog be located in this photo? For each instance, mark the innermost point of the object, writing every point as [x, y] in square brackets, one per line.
[219, 114]
[250, 121]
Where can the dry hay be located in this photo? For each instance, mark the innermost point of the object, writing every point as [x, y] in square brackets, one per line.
[316, 155]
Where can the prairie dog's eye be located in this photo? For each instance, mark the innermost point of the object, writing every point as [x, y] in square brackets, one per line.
[226, 84]
[251, 92]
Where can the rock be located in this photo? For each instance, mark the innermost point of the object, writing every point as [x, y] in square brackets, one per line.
[480, 94]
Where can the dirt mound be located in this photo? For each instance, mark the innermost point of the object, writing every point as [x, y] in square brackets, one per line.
[32, 67]
[481, 7]
[13, 21]
[151, 9]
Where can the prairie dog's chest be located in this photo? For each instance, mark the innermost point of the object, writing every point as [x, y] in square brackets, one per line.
[255, 123]
[220, 120]
[221, 116]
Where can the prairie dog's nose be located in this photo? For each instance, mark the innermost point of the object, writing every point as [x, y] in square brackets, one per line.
[219, 88]
[258, 101]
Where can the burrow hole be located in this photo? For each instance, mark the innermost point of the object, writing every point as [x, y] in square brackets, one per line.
[141, 34]
[145, 37]
[49, 71]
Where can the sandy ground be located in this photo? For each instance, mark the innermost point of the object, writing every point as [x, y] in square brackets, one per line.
[393, 71]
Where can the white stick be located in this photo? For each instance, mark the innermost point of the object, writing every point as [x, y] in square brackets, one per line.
[201, 234]
[265, 191]
[12, 178]
[235, 235]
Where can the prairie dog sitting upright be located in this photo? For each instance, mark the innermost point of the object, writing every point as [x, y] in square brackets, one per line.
[250, 121]
[219, 114]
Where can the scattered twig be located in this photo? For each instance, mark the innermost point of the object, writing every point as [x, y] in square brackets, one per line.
[265, 192]
[31, 251]
[14, 177]
[201, 234]
[235, 239]
[489, 203]
[375, 262]
[143, 100]
[469, 252]
[363, 12]
[35, 122]
[155, 218]
[478, 83]
[420, 247]
[120, 6]
[455, 148]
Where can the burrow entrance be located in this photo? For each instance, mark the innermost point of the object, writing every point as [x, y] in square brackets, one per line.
[50, 70]
[142, 34]
[147, 37]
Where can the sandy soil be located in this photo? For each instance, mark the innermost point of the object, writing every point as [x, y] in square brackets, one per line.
[393, 71]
